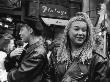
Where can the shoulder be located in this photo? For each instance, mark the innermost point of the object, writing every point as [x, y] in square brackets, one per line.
[39, 50]
[98, 57]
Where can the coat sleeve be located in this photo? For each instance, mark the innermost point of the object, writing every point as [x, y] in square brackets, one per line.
[10, 63]
[100, 67]
[31, 65]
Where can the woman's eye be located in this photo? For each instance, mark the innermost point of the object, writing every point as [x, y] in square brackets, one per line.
[84, 30]
[76, 28]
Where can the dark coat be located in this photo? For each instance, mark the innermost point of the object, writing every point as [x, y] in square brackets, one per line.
[31, 66]
[92, 71]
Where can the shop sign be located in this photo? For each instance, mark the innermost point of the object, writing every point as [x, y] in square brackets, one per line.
[51, 10]
[51, 21]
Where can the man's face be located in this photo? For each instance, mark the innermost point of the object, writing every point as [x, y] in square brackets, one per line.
[24, 34]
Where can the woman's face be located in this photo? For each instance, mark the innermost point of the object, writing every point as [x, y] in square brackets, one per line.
[78, 32]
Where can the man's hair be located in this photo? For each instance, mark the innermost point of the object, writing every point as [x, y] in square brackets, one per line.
[35, 25]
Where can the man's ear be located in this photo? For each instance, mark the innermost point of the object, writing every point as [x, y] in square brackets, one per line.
[31, 30]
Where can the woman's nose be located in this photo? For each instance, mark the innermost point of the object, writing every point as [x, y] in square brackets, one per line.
[80, 32]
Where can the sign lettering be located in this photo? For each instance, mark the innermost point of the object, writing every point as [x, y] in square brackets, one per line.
[53, 11]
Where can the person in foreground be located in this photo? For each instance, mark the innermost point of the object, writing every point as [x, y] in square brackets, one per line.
[76, 59]
[32, 60]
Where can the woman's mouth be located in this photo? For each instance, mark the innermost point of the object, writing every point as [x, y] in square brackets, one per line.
[80, 38]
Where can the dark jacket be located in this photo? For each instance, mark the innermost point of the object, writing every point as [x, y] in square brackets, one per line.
[97, 69]
[92, 71]
[31, 67]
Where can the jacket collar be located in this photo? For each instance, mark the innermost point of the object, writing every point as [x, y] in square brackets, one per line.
[33, 46]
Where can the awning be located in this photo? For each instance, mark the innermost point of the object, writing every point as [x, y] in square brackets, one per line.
[51, 21]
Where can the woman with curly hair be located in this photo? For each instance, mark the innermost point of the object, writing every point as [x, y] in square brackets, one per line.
[76, 59]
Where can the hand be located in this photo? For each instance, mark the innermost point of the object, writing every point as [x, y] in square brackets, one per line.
[16, 52]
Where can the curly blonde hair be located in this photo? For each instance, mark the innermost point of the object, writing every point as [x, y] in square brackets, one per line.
[85, 49]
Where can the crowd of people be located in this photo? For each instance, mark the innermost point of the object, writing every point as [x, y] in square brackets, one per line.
[73, 59]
